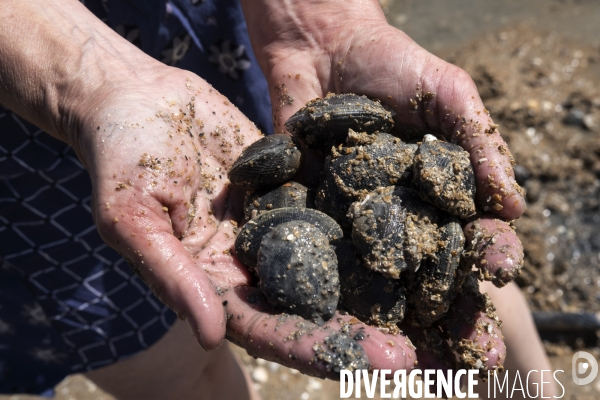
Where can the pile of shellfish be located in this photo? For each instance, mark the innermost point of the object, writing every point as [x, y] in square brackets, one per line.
[380, 237]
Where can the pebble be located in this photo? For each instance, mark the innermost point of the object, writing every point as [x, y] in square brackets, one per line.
[274, 367]
[522, 174]
[304, 396]
[575, 116]
[589, 122]
[313, 385]
[579, 118]
[260, 375]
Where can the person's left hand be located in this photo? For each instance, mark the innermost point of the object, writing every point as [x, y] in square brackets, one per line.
[312, 47]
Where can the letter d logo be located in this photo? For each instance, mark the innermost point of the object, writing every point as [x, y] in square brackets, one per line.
[582, 367]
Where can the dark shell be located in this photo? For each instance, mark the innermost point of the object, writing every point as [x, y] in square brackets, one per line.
[444, 177]
[248, 240]
[421, 234]
[323, 123]
[433, 287]
[269, 161]
[377, 231]
[368, 162]
[290, 194]
[368, 295]
[298, 273]
[394, 230]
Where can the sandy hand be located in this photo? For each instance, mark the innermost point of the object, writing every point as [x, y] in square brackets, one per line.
[315, 47]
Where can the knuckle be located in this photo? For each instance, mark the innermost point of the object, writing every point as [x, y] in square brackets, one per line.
[463, 77]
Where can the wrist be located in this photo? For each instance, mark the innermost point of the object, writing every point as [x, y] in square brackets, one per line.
[315, 26]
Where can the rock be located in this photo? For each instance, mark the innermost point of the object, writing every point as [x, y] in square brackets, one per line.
[260, 375]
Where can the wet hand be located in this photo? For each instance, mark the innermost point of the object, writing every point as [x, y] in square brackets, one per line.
[314, 47]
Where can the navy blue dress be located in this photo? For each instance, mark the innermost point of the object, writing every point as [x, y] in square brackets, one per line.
[69, 303]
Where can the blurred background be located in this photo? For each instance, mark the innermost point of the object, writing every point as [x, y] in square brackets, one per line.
[537, 66]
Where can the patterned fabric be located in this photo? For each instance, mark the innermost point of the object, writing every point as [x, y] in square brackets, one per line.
[68, 302]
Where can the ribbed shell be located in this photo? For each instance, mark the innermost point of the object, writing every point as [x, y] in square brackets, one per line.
[377, 232]
[269, 161]
[433, 288]
[368, 295]
[248, 240]
[323, 123]
[290, 194]
[354, 171]
[444, 177]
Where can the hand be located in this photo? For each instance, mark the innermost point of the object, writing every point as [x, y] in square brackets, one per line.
[312, 47]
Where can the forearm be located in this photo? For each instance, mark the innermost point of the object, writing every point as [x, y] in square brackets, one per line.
[56, 60]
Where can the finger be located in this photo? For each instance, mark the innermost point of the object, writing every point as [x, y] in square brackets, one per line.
[145, 238]
[470, 126]
[342, 342]
[494, 248]
[474, 330]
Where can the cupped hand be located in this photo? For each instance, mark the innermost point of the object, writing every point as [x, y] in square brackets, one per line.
[158, 155]
[313, 47]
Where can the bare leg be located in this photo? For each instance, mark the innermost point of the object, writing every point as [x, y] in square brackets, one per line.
[524, 348]
[176, 367]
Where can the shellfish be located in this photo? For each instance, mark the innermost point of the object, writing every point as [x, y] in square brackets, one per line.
[248, 240]
[298, 270]
[323, 123]
[392, 198]
[269, 161]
